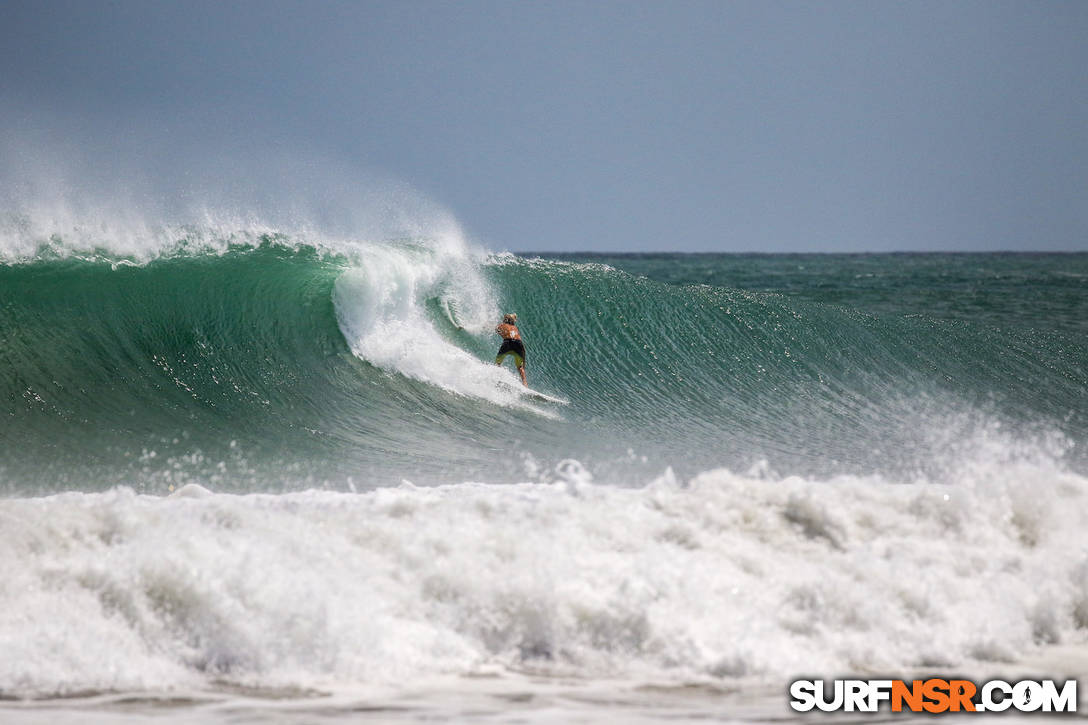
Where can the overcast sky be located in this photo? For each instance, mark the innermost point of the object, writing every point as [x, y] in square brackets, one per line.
[603, 126]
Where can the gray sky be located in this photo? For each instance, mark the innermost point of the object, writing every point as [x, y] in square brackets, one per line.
[603, 126]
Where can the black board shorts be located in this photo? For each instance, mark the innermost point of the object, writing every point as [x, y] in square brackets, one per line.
[511, 347]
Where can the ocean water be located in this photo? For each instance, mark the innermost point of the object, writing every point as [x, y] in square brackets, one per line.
[250, 471]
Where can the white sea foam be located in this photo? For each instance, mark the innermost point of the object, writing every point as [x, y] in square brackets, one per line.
[729, 575]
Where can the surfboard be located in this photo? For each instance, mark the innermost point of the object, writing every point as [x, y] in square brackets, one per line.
[534, 394]
[537, 395]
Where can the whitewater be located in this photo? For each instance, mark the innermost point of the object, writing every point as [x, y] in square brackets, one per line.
[248, 469]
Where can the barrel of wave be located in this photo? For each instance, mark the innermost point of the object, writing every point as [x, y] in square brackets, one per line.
[381, 305]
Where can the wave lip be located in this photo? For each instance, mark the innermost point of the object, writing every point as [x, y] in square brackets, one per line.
[731, 575]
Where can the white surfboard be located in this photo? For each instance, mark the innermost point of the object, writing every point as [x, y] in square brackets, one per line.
[537, 395]
[534, 394]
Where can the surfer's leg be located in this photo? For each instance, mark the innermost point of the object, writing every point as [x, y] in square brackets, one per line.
[521, 368]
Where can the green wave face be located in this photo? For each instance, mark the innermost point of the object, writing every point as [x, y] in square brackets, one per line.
[719, 376]
[283, 367]
[128, 370]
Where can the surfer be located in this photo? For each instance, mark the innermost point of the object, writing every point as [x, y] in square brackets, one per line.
[511, 344]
